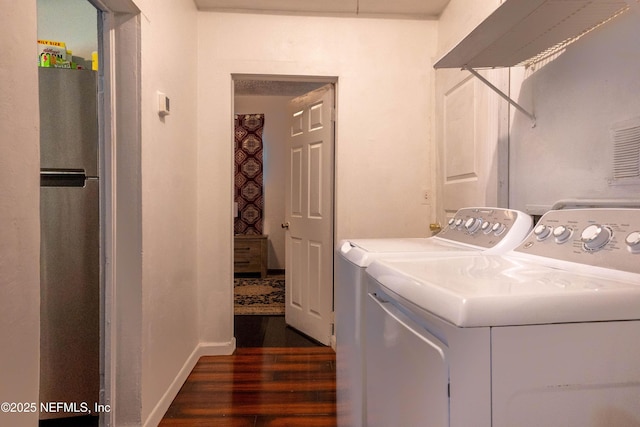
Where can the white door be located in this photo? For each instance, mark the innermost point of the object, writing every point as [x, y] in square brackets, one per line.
[472, 135]
[309, 215]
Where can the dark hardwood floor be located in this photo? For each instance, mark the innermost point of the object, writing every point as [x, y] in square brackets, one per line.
[277, 377]
[268, 331]
[83, 421]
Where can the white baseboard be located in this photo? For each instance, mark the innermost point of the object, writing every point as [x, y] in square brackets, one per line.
[203, 349]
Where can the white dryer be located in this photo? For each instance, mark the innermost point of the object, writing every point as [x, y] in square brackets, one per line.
[470, 231]
[544, 335]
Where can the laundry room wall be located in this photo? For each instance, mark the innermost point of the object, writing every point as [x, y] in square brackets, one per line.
[19, 213]
[576, 97]
[459, 18]
[274, 139]
[384, 119]
[170, 292]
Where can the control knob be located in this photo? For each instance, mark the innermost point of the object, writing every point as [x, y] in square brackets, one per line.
[542, 232]
[562, 233]
[458, 222]
[498, 228]
[486, 227]
[472, 225]
[633, 242]
[595, 237]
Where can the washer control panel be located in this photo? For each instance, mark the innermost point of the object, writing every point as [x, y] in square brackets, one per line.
[488, 228]
[608, 238]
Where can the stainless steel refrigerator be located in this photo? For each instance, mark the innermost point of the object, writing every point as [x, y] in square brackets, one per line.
[70, 239]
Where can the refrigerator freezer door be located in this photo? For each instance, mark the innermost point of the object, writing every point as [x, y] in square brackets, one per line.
[70, 278]
[68, 120]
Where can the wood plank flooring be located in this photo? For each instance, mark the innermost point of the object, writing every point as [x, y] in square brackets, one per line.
[268, 331]
[259, 387]
[83, 421]
[277, 377]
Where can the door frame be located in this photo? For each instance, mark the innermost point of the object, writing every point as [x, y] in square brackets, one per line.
[119, 124]
[289, 78]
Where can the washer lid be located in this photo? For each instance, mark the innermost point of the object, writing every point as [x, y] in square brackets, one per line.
[363, 252]
[473, 291]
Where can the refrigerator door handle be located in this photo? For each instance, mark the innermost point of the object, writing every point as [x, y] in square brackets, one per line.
[62, 178]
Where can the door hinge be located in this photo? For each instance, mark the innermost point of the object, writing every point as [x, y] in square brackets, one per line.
[332, 322]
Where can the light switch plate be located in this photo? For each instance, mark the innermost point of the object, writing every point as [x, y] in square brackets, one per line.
[163, 104]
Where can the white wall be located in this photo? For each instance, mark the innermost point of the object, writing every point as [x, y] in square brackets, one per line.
[274, 138]
[383, 122]
[576, 98]
[19, 212]
[170, 341]
[169, 202]
[459, 18]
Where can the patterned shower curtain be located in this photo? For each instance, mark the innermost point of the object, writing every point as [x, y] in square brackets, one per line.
[248, 173]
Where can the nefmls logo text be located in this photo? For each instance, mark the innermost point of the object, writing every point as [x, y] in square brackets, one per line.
[67, 407]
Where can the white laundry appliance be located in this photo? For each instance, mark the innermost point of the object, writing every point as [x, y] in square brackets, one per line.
[470, 230]
[545, 335]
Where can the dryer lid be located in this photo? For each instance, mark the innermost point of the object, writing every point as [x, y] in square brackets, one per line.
[474, 291]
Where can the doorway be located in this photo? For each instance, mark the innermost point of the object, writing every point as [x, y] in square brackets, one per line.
[70, 204]
[270, 96]
[117, 27]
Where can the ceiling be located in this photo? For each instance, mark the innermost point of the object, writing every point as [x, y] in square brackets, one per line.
[416, 9]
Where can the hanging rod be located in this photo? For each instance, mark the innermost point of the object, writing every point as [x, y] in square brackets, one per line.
[502, 94]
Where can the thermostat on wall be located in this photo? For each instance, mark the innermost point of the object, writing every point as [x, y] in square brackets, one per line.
[163, 104]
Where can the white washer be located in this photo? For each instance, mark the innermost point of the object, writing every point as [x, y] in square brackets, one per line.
[471, 230]
[545, 335]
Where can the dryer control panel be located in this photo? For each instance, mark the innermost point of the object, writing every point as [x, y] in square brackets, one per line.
[487, 228]
[608, 238]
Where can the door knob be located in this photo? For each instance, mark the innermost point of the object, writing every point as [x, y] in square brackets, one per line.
[435, 228]
[285, 225]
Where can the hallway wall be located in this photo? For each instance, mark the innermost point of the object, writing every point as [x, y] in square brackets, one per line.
[384, 111]
[170, 328]
[19, 213]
